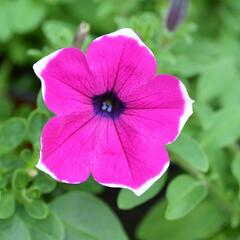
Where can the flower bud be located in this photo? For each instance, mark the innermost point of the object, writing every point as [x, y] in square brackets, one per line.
[176, 14]
[81, 34]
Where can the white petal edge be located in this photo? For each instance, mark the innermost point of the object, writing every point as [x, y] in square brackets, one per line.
[139, 191]
[41, 166]
[126, 32]
[39, 66]
[188, 110]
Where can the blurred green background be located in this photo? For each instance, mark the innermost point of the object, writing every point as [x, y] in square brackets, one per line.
[199, 197]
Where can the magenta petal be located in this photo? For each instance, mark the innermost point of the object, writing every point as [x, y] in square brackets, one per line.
[65, 80]
[160, 108]
[66, 147]
[120, 61]
[125, 158]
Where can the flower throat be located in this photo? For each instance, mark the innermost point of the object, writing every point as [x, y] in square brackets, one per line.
[108, 105]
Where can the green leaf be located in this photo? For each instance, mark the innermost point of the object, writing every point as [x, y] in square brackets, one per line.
[32, 193]
[50, 228]
[209, 86]
[89, 11]
[86, 217]
[30, 12]
[6, 31]
[6, 106]
[7, 204]
[184, 193]
[9, 162]
[235, 168]
[191, 152]
[35, 123]
[14, 229]
[219, 164]
[224, 128]
[26, 155]
[44, 183]
[127, 199]
[204, 112]
[3, 182]
[201, 51]
[202, 223]
[37, 209]
[20, 179]
[59, 33]
[12, 134]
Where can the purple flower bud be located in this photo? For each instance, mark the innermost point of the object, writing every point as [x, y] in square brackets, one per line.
[176, 14]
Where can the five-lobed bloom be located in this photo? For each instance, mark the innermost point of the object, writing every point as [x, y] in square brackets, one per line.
[114, 115]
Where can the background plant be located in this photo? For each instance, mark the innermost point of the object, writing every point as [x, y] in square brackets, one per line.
[199, 196]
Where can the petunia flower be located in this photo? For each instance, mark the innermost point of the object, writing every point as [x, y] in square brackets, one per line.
[114, 114]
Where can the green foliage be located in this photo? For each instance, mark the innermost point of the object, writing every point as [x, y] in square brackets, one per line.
[191, 152]
[58, 33]
[35, 123]
[20, 179]
[50, 228]
[235, 168]
[23, 227]
[7, 204]
[77, 211]
[22, 16]
[183, 194]
[14, 228]
[11, 134]
[224, 129]
[36, 209]
[202, 223]
[45, 184]
[127, 199]
[199, 199]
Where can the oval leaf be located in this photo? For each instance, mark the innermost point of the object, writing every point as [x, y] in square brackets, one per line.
[30, 12]
[193, 226]
[184, 193]
[14, 228]
[37, 209]
[50, 228]
[59, 33]
[44, 183]
[35, 123]
[7, 204]
[86, 217]
[224, 128]
[190, 151]
[11, 134]
[20, 179]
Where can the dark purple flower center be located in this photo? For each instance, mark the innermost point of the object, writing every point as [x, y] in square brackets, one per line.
[108, 105]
